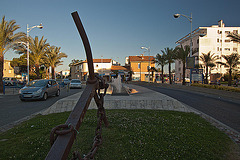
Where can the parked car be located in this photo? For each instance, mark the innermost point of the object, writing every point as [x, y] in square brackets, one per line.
[66, 81]
[10, 81]
[39, 89]
[75, 83]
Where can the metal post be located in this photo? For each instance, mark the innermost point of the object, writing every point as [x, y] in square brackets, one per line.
[148, 65]
[191, 36]
[27, 55]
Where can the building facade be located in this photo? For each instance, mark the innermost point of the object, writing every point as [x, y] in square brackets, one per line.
[139, 65]
[209, 39]
[8, 71]
[101, 66]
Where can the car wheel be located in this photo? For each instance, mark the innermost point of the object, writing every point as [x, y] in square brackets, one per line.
[45, 95]
[22, 99]
[58, 93]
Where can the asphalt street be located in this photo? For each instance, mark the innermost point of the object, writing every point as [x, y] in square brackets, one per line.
[13, 109]
[222, 109]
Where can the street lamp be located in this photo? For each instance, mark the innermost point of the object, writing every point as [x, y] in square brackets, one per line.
[28, 30]
[190, 20]
[148, 49]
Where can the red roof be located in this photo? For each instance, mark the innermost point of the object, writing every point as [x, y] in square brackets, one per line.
[140, 58]
[101, 60]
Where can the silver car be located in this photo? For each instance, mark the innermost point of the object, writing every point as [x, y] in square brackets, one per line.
[39, 89]
[75, 83]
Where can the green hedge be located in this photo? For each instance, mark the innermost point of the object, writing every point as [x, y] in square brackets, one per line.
[226, 88]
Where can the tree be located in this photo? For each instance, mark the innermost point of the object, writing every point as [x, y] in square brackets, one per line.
[170, 56]
[152, 70]
[161, 60]
[37, 51]
[209, 62]
[232, 61]
[235, 37]
[74, 61]
[53, 58]
[20, 62]
[7, 39]
[181, 54]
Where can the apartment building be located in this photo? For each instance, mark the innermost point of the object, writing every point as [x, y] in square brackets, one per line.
[139, 66]
[205, 39]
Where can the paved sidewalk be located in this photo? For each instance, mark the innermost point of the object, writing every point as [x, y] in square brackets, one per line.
[143, 99]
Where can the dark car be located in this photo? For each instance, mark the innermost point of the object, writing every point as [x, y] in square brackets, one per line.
[39, 89]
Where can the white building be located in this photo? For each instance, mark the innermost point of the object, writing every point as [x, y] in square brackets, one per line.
[212, 39]
[101, 66]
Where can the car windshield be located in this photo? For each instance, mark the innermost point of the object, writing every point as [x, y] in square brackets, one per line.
[37, 84]
[75, 81]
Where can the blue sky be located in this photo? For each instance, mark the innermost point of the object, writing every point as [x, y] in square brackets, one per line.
[116, 28]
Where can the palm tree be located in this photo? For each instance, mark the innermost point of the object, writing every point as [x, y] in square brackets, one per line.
[235, 37]
[208, 61]
[37, 51]
[7, 39]
[170, 56]
[53, 57]
[161, 60]
[181, 54]
[232, 61]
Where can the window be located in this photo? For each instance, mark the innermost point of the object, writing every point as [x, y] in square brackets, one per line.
[139, 65]
[234, 49]
[227, 40]
[218, 40]
[227, 49]
[227, 32]
[179, 62]
[220, 49]
[96, 65]
[235, 31]
[219, 32]
[217, 48]
[198, 41]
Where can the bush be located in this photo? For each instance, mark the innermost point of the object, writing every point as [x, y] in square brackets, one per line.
[226, 88]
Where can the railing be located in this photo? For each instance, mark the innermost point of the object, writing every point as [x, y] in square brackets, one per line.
[62, 137]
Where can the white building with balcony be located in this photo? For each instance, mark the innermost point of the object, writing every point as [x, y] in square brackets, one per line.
[207, 39]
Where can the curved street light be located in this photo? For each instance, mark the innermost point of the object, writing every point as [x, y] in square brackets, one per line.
[28, 30]
[190, 20]
[148, 49]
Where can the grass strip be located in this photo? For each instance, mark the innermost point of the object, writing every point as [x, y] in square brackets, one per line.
[132, 134]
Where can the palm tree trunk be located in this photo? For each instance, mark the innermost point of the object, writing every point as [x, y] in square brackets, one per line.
[1, 72]
[230, 77]
[184, 69]
[206, 75]
[162, 74]
[152, 76]
[53, 72]
[37, 71]
[169, 71]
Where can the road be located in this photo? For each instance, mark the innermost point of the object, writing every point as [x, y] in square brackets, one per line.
[13, 109]
[222, 109]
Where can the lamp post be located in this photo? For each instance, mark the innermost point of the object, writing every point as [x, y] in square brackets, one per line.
[28, 30]
[148, 49]
[190, 20]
